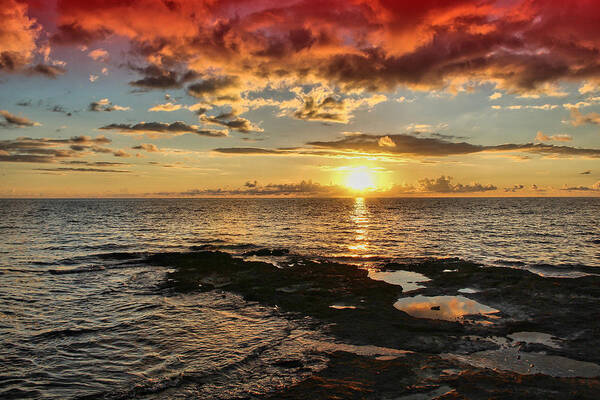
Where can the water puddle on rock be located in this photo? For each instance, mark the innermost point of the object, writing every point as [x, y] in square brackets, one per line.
[407, 279]
[448, 308]
[468, 290]
[511, 359]
[342, 307]
[536, 337]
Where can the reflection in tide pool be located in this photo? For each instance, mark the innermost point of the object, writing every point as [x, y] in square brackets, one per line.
[448, 308]
[407, 279]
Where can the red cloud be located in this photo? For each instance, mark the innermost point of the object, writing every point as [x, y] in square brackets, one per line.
[522, 46]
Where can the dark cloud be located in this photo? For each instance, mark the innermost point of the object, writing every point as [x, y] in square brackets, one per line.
[246, 150]
[232, 122]
[514, 189]
[303, 188]
[594, 188]
[157, 128]
[398, 144]
[15, 121]
[73, 33]
[121, 153]
[443, 184]
[105, 105]
[404, 145]
[588, 172]
[156, 77]
[149, 147]
[447, 137]
[95, 163]
[66, 169]
[27, 158]
[219, 87]
[328, 110]
[50, 71]
[60, 109]
[45, 150]
[11, 61]
[308, 189]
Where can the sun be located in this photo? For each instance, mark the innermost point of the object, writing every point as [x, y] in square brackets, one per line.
[360, 179]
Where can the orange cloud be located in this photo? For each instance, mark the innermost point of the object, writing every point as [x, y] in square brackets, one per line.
[524, 46]
[18, 34]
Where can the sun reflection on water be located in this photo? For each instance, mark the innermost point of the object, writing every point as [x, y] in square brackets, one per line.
[360, 218]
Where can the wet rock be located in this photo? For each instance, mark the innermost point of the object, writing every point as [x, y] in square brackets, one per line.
[562, 308]
[289, 364]
[267, 252]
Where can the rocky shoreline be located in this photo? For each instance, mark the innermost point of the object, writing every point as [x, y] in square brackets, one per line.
[541, 340]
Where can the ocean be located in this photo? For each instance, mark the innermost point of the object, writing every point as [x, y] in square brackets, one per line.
[83, 314]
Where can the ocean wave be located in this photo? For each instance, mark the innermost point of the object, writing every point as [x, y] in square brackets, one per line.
[61, 333]
[80, 270]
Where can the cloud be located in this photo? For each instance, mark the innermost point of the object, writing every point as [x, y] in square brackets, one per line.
[106, 106]
[579, 104]
[544, 107]
[67, 169]
[161, 128]
[405, 145]
[514, 189]
[577, 118]
[18, 35]
[95, 163]
[588, 172]
[73, 33]
[216, 88]
[167, 107]
[157, 77]
[93, 78]
[321, 104]
[149, 147]
[231, 121]
[14, 121]
[60, 109]
[386, 141]
[46, 150]
[50, 71]
[589, 87]
[98, 55]
[246, 150]
[561, 137]
[593, 188]
[415, 146]
[495, 96]
[444, 185]
[305, 188]
[121, 153]
[525, 47]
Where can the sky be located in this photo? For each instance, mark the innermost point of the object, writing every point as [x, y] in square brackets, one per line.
[207, 98]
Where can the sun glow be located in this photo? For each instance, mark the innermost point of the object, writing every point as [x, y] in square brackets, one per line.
[360, 179]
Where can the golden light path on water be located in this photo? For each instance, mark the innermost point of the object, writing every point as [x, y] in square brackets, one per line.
[360, 217]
